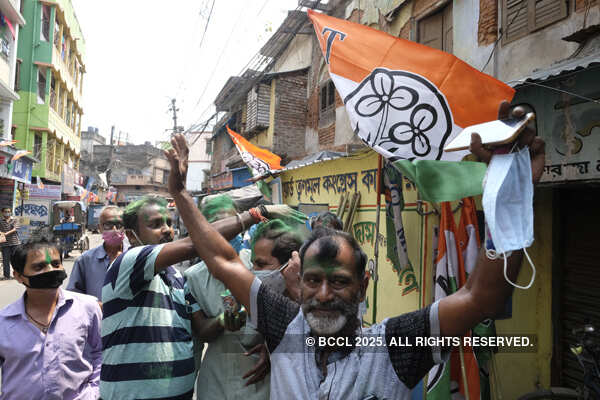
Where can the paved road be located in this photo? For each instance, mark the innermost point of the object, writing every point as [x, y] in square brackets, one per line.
[11, 290]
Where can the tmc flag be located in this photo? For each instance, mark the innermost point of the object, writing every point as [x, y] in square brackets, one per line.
[404, 99]
[259, 160]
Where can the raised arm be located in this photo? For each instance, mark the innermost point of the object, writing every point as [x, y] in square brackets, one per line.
[220, 258]
[183, 249]
[486, 291]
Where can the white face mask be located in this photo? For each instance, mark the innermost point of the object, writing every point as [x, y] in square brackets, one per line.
[508, 206]
[273, 279]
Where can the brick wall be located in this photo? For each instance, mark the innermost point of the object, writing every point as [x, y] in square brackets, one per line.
[488, 22]
[290, 114]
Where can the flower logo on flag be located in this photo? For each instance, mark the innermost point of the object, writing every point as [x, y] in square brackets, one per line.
[255, 163]
[401, 113]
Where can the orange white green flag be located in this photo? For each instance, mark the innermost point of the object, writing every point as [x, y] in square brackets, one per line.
[259, 160]
[404, 99]
[446, 381]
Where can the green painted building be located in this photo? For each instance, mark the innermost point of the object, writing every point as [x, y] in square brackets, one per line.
[50, 69]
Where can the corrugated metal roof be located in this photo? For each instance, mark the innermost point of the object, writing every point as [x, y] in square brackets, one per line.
[562, 67]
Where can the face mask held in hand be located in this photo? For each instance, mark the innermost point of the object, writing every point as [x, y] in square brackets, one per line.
[508, 206]
[47, 280]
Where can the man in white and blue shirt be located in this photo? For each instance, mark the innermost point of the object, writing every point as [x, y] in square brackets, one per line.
[333, 283]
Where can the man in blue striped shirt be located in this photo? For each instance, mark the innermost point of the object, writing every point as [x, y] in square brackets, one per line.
[147, 321]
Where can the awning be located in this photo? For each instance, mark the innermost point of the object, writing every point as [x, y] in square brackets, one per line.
[560, 68]
[586, 56]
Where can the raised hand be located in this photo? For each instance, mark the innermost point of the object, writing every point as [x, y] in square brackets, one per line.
[284, 212]
[261, 368]
[526, 138]
[178, 158]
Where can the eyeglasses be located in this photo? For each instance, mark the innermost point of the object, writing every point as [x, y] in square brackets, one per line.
[109, 225]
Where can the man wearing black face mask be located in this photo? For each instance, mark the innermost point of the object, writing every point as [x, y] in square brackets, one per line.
[50, 343]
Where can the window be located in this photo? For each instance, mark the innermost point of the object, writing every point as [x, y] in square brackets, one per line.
[227, 143]
[50, 154]
[521, 17]
[37, 146]
[436, 30]
[41, 85]
[68, 113]
[18, 74]
[45, 32]
[53, 92]
[56, 33]
[4, 47]
[327, 104]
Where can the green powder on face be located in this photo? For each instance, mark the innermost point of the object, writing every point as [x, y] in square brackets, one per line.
[48, 259]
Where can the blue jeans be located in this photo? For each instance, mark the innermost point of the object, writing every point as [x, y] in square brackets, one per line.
[7, 252]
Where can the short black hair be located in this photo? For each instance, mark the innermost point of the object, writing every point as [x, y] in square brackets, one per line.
[286, 239]
[329, 248]
[326, 219]
[130, 215]
[19, 256]
[6, 208]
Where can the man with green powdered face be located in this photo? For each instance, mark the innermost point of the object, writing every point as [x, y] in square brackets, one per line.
[236, 364]
[306, 363]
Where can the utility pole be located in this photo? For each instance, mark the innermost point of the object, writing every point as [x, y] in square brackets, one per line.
[108, 167]
[174, 110]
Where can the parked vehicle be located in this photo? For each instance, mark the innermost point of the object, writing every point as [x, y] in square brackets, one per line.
[587, 352]
[69, 226]
[93, 216]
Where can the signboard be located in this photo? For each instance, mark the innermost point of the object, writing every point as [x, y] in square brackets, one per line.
[37, 211]
[21, 170]
[51, 192]
[569, 125]
[68, 179]
[222, 181]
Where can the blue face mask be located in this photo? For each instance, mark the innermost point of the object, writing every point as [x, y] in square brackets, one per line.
[236, 243]
[508, 206]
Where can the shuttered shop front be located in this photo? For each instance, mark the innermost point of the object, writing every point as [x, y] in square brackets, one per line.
[580, 273]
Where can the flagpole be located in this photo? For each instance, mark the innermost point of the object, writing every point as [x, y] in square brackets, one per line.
[463, 371]
[376, 252]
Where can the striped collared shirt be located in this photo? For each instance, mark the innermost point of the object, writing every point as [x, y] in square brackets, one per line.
[5, 226]
[146, 330]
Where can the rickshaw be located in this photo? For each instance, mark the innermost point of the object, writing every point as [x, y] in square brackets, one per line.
[69, 226]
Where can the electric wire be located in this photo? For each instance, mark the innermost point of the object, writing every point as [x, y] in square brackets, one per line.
[502, 34]
[258, 61]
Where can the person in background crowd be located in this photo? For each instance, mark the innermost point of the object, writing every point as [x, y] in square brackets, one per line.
[326, 219]
[146, 327]
[50, 344]
[90, 268]
[8, 227]
[227, 363]
[332, 286]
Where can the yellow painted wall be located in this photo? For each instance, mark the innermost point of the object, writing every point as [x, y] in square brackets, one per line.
[518, 372]
[308, 185]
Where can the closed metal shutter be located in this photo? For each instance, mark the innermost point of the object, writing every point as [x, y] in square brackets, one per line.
[580, 275]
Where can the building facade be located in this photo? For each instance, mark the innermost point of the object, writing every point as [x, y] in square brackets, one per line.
[50, 70]
[133, 170]
[199, 161]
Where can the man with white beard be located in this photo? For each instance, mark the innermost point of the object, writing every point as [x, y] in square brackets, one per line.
[306, 363]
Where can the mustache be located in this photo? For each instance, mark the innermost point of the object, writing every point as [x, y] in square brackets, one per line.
[166, 239]
[332, 305]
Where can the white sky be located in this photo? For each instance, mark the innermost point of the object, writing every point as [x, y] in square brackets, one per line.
[142, 53]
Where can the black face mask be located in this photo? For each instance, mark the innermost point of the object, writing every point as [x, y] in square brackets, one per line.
[47, 280]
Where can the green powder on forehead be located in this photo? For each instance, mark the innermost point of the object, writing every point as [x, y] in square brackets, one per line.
[48, 258]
